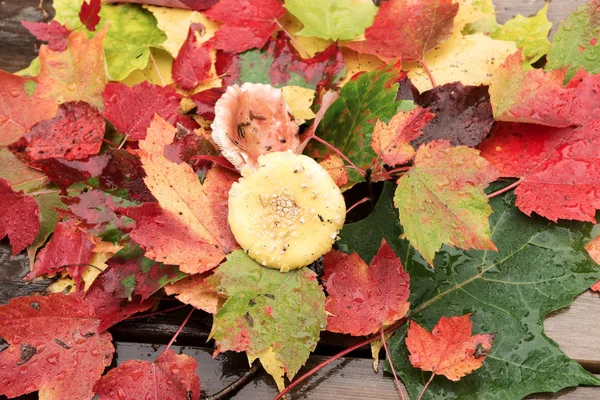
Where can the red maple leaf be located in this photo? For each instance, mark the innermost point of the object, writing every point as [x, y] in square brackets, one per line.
[170, 376]
[131, 109]
[22, 105]
[364, 298]
[539, 97]
[193, 62]
[246, 23]
[55, 347]
[450, 349]
[76, 132]
[205, 101]
[559, 167]
[53, 33]
[407, 29]
[70, 248]
[89, 15]
[19, 217]
[168, 240]
[110, 309]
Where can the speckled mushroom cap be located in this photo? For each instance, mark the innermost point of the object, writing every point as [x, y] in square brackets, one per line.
[286, 213]
[251, 120]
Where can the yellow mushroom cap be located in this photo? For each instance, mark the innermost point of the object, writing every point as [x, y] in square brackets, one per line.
[287, 212]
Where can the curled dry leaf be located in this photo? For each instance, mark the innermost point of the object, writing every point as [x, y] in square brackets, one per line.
[251, 120]
[288, 212]
[450, 349]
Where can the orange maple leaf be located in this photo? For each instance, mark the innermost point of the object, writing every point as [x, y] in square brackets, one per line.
[449, 349]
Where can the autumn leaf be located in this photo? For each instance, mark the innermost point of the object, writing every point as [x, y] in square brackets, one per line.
[280, 64]
[205, 102]
[528, 33]
[198, 5]
[195, 290]
[558, 167]
[23, 103]
[593, 248]
[333, 19]
[450, 349]
[407, 29]
[441, 199]
[175, 23]
[76, 132]
[247, 24]
[170, 376]
[538, 97]
[463, 114]
[76, 74]
[69, 249]
[52, 32]
[391, 141]
[362, 299]
[505, 296]
[336, 168]
[193, 62]
[111, 310]
[575, 43]
[264, 312]
[19, 217]
[349, 121]
[89, 14]
[55, 347]
[146, 99]
[190, 147]
[130, 35]
[130, 274]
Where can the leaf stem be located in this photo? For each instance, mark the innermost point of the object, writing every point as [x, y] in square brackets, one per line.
[335, 357]
[506, 189]
[428, 72]
[426, 386]
[401, 169]
[363, 200]
[339, 153]
[235, 385]
[179, 330]
[389, 358]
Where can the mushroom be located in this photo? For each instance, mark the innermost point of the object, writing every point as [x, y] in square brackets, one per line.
[286, 213]
[251, 120]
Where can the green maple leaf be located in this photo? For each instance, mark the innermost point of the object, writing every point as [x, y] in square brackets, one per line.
[528, 33]
[132, 31]
[349, 122]
[441, 199]
[576, 43]
[540, 267]
[333, 19]
[268, 312]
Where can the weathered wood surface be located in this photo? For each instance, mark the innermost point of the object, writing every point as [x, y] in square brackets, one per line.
[575, 328]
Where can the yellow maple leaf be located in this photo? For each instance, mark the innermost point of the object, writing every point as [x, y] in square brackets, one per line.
[299, 100]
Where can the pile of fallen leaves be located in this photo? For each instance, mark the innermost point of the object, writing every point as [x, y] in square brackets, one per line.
[112, 183]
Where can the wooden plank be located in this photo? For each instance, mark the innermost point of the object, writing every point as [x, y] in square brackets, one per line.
[348, 378]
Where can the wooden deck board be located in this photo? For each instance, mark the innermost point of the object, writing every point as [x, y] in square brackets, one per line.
[575, 328]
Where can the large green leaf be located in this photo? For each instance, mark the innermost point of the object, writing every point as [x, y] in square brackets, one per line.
[540, 267]
[349, 122]
[268, 310]
[131, 33]
[576, 43]
[333, 19]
